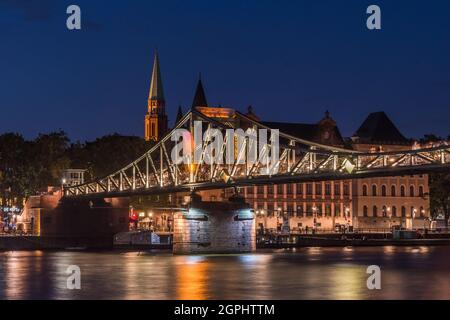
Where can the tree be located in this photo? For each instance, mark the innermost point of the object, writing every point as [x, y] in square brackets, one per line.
[27, 167]
[427, 138]
[440, 195]
[13, 164]
[107, 154]
[51, 157]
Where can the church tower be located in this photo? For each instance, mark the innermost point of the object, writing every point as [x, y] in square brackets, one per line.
[156, 118]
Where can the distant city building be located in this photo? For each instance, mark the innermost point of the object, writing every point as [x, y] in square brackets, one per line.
[382, 202]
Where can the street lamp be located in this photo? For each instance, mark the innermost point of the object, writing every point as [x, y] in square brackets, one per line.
[315, 218]
[63, 183]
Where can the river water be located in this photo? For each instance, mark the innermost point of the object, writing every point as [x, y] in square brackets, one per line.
[307, 273]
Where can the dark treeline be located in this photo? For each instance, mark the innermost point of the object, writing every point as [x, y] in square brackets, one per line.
[29, 166]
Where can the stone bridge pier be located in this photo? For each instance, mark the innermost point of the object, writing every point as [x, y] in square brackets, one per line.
[214, 227]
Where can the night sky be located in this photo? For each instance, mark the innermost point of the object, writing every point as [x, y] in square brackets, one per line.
[291, 60]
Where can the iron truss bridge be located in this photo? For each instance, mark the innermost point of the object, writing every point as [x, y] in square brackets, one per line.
[299, 161]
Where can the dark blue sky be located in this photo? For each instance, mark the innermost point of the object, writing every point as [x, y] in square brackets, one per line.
[291, 60]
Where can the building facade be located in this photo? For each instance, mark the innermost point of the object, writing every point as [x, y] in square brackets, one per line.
[385, 202]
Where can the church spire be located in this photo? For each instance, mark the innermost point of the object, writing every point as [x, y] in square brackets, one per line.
[156, 88]
[199, 97]
[156, 124]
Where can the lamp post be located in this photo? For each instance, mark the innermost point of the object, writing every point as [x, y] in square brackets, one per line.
[63, 183]
[265, 220]
[389, 215]
[314, 218]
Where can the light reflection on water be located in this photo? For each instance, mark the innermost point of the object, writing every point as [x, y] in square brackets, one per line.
[304, 273]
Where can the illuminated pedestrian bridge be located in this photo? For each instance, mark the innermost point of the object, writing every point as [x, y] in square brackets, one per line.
[297, 160]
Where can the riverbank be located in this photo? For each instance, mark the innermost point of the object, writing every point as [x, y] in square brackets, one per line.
[19, 243]
[326, 242]
[24, 243]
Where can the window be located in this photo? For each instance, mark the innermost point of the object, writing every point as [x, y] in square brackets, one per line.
[421, 191]
[394, 211]
[299, 211]
[411, 191]
[365, 211]
[280, 189]
[270, 189]
[337, 210]
[403, 211]
[422, 212]
[365, 190]
[375, 211]
[328, 210]
[402, 191]
[290, 209]
[260, 189]
[337, 188]
[250, 190]
[299, 188]
[374, 190]
[384, 211]
[383, 190]
[346, 189]
[153, 130]
[309, 189]
[318, 189]
[270, 209]
[289, 188]
[393, 190]
[327, 189]
[309, 210]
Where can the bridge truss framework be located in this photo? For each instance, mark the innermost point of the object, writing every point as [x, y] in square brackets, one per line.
[299, 161]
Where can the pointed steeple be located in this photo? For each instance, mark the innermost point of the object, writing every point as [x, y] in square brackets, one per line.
[179, 115]
[156, 123]
[156, 88]
[199, 97]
